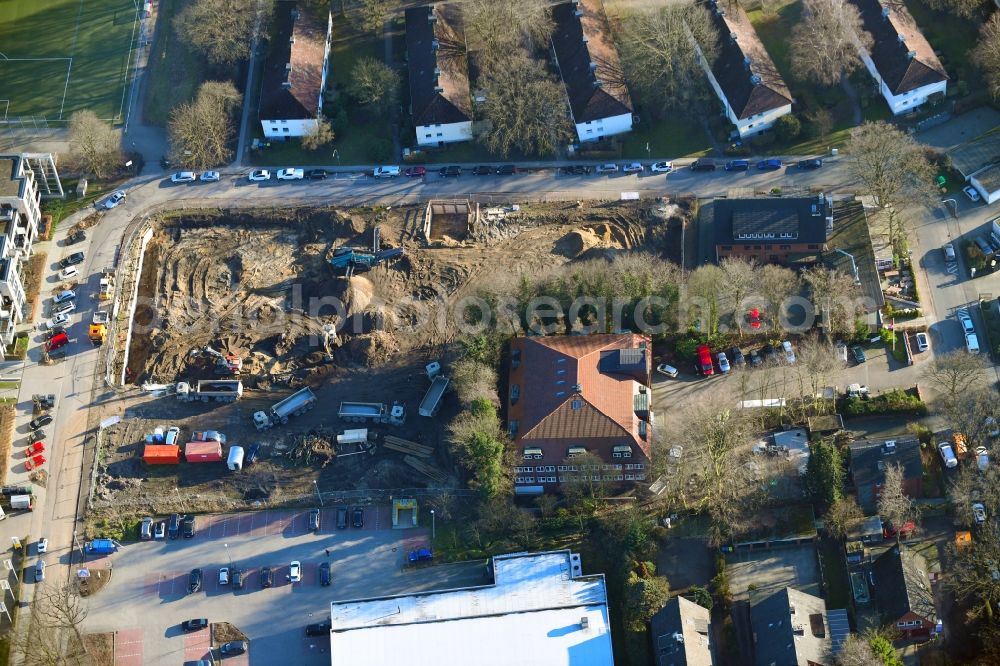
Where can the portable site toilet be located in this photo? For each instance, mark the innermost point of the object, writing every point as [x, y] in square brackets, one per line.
[235, 459]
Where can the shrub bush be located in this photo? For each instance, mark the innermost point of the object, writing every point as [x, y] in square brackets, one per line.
[787, 127]
[896, 401]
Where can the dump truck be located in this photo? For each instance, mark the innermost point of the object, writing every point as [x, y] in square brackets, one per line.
[107, 286]
[432, 399]
[296, 404]
[372, 412]
[220, 390]
[101, 547]
[98, 331]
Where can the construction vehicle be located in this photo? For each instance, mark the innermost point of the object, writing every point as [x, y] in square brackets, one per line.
[372, 412]
[98, 332]
[107, 285]
[225, 364]
[352, 260]
[439, 384]
[212, 389]
[296, 404]
[102, 547]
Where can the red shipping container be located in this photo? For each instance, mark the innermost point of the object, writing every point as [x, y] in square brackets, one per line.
[203, 452]
[158, 454]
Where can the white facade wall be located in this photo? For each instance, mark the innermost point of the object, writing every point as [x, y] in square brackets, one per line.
[906, 102]
[278, 129]
[433, 135]
[598, 129]
[988, 197]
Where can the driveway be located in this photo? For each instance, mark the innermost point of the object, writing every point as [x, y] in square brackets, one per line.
[147, 596]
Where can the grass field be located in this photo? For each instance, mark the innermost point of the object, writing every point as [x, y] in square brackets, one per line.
[61, 56]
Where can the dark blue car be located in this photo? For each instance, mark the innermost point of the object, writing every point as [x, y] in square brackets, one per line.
[810, 164]
[421, 555]
[738, 165]
[769, 165]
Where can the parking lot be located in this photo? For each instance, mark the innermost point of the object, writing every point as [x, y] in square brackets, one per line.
[148, 597]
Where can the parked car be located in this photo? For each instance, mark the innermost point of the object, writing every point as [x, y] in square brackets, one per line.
[506, 170]
[738, 165]
[483, 171]
[967, 325]
[705, 366]
[233, 648]
[115, 199]
[210, 176]
[769, 165]
[786, 347]
[633, 167]
[318, 629]
[723, 362]
[160, 531]
[316, 174]
[40, 421]
[341, 517]
[64, 296]
[737, 358]
[258, 175]
[416, 172]
[889, 530]
[703, 164]
[979, 513]
[295, 571]
[450, 171]
[146, 529]
[184, 177]
[324, 574]
[814, 163]
[174, 525]
[77, 236]
[39, 571]
[607, 168]
[386, 171]
[195, 624]
[42, 546]
[577, 170]
[420, 555]
[754, 317]
[237, 578]
[194, 581]
[358, 517]
[266, 577]
[172, 435]
[290, 173]
[769, 354]
[63, 308]
[72, 260]
[668, 370]
[69, 273]
[859, 354]
[662, 167]
[187, 526]
[223, 575]
[947, 454]
[972, 193]
[982, 458]
[314, 520]
[755, 359]
[921, 342]
[972, 343]
[949, 252]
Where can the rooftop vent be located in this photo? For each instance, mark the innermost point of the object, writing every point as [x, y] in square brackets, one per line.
[435, 45]
[885, 12]
[755, 79]
[577, 387]
[432, 17]
[438, 89]
[910, 55]
[584, 622]
[578, 13]
[747, 60]
[733, 36]
[679, 637]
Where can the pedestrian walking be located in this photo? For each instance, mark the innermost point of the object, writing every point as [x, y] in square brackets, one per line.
[327, 552]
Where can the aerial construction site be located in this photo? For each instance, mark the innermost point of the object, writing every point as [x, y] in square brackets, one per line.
[291, 332]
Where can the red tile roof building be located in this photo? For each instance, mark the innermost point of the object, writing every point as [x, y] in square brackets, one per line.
[571, 394]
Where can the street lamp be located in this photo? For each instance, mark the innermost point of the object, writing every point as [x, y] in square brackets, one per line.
[318, 493]
[433, 526]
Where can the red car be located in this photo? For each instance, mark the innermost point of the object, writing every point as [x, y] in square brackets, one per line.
[889, 532]
[58, 340]
[754, 316]
[35, 447]
[416, 172]
[35, 463]
[705, 366]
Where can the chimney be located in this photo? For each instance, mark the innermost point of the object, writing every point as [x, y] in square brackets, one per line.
[584, 622]
[733, 36]
[435, 45]
[885, 12]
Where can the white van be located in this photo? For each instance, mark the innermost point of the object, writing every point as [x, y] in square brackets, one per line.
[386, 172]
[972, 343]
[947, 455]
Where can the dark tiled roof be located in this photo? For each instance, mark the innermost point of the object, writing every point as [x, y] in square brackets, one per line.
[438, 65]
[790, 628]
[305, 55]
[570, 390]
[743, 68]
[904, 65]
[802, 217]
[681, 635]
[902, 585]
[869, 458]
[583, 41]
[11, 183]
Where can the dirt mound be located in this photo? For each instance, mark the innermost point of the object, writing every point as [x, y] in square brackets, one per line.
[604, 236]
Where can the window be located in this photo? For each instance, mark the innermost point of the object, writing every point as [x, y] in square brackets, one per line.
[619, 477]
[640, 477]
[427, 136]
[595, 477]
[274, 128]
[532, 453]
[285, 130]
[630, 477]
[639, 466]
[540, 468]
[550, 468]
[563, 468]
[512, 427]
[439, 134]
[590, 131]
[617, 467]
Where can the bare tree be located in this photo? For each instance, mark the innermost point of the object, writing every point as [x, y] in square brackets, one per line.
[95, 144]
[584, 479]
[221, 29]
[893, 503]
[741, 276]
[821, 122]
[201, 132]
[320, 135]
[836, 297]
[975, 574]
[659, 56]
[823, 44]
[987, 53]
[815, 366]
[374, 84]
[498, 27]
[841, 515]
[373, 15]
[473, 380]
[525, 107]
[776, 284]
[894, 170]
[964, 8]
[953, 373]
[708, 296]
[54, 633]
[857, 652]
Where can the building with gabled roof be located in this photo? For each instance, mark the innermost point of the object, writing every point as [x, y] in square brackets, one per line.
[869, 459]
[900, 59]
[790, 628]
[295, 72]
[777, 230]
[588, 63]
[903, 592]
[743, 76]
[681, 634]
[438, 71]
[578, 394]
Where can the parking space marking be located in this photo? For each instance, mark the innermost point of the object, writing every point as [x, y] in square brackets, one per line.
[197, 644]
[128, 647]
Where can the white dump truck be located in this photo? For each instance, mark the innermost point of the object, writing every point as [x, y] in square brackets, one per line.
[296, 404]
[372, 412]
[212, 389]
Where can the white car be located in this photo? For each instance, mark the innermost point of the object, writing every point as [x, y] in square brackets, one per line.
[662, 167]
[173, 434]
[258, 175]
[991, 426]
[295, 571]
[64, 296]
[723, 362]
[922, 342]
[971, 192]
[633, 167]
[979, 513]
[69, 273]
[68, 306]
[972, 343]
[184, 177]
[210, 176]
[43, 545]
[58, 320]
[115, 199]
[967, 325]
[665, 369]
[291, 174]
[982, 458]
[385, 172]
[786, 346]
[607, 168]
[947, 455]
[949, 252]
[224, 576]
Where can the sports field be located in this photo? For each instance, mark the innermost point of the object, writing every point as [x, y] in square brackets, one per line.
[61, 56]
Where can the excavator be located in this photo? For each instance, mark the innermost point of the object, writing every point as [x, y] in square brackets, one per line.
[225, 364]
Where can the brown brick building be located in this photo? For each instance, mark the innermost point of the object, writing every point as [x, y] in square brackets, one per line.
[575, 394]
[771, 230]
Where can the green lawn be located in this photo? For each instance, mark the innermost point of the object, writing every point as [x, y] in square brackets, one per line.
[676, 137]
[61, 56]
[952, 38]
[175, 70]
